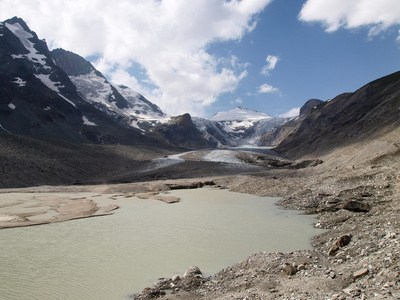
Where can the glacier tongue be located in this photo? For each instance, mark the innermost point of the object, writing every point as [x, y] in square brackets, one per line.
[223, 156]
[238, 127]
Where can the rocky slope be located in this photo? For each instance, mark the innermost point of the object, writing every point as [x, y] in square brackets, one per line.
[365, 114]
[31, 161]
[275, 136]
[356, 193]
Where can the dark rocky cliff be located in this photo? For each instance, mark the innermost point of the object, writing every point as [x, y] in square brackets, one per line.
[180, 131]
[276, 136]
[365, 114]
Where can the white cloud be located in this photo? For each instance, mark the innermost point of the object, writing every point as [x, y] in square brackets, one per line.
[271, 64]
[377, 15]
[294, 112]
[266, 88]
[167, 38]
[237, 101]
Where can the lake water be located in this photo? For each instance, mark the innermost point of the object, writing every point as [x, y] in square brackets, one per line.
[112, 257]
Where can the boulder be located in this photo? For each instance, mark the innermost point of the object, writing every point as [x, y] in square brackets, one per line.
[356, 206]
[289, 269]
[340, 243]
[193, 271]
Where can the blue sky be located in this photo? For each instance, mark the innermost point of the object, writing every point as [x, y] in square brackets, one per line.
[205, 56]
[312, 63]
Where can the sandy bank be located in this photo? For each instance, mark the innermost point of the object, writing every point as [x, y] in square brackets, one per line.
[45, 205]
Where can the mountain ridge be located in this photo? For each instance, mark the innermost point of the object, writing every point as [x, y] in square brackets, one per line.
[38, 98]
[364, 114]
[60, 94]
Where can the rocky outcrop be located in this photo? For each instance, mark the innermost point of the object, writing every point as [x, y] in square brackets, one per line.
[280, 133]
[180, 131]
[71, 63]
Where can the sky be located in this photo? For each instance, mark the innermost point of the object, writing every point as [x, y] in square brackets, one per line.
[206, 56]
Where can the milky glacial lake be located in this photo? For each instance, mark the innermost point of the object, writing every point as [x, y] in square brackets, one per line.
[112, 257]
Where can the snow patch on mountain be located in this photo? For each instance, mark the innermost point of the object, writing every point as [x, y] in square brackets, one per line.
[140, 106]
[94, 88]
[138, 112]
[87, 122]
[24, 37]
[55, 86]
[19, 81]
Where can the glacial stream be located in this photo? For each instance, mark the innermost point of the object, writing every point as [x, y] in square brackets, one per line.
[114, 256]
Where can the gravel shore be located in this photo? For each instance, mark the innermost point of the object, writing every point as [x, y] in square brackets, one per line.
[356, 194]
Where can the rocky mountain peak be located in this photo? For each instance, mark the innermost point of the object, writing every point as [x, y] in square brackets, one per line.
[310, 104]
[182, 132]
[17, 20]
[71, 63]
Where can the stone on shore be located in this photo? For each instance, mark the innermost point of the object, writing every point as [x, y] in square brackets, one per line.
[193, 271]
[340, 243]
[360, 273]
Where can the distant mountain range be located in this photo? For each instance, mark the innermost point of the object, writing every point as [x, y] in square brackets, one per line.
[58, 94]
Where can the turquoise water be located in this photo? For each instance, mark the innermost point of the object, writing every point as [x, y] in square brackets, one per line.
[114, 256]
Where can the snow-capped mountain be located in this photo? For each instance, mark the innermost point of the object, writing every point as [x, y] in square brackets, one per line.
[60, 94]
[38, 98]
[121, 102]
[237, 127]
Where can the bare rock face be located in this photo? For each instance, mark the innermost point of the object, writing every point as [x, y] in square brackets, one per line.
[180, 131]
